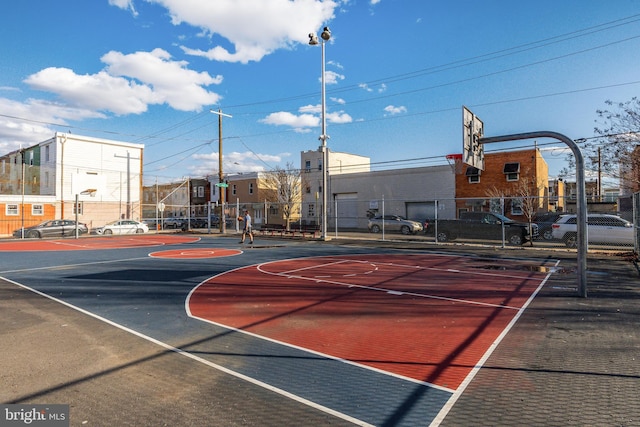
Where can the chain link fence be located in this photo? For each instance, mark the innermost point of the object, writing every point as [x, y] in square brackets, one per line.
[503, 221]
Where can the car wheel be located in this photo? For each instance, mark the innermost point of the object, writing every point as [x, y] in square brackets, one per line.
[515, 240]
[571, 240]
[547, 234]
[139, 231]
[33, 234]
[405, 229]
[375, 228]
[107, 232]
[442, 237]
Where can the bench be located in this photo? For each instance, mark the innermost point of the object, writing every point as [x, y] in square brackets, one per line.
[294, 231]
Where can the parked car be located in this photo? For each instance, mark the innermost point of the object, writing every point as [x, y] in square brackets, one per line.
[482, 226]
[52, 228]
[601, 228]
[394, 223]
[174, 222]
[123, 226]
[545, 222]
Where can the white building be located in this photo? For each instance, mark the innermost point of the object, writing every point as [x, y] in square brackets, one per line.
[357, 193]
[104, 176]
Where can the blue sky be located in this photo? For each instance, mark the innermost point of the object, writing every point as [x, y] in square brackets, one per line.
[397, 75]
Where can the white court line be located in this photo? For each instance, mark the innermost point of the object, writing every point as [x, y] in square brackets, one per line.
[456, 395]
[391, 291]
[200, 359]
[307, 350]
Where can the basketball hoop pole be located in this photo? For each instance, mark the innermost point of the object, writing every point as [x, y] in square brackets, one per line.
[581, 202]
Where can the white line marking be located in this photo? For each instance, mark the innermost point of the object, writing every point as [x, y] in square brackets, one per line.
[200, 359]
[456, 395]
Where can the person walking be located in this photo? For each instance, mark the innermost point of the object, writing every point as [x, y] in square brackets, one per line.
[247, 229]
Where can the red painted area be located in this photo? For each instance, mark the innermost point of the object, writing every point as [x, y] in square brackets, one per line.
[430, 318]
[90, 243]
[195, 253]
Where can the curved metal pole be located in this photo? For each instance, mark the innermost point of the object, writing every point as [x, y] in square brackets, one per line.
[581, 202]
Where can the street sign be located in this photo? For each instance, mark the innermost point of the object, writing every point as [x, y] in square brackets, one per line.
[472, 131]
[222, 184]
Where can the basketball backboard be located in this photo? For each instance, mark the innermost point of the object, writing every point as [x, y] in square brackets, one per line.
[472, 131]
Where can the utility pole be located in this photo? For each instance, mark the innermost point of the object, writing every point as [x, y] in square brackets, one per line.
[222, 186]
[128, 157]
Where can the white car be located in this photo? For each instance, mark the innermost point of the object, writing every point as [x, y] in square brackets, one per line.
[123, 226]
[601, 228]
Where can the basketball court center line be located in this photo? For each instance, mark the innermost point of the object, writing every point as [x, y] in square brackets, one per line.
[461, 388]
[200, 359]
[286, 344]
[388, 291]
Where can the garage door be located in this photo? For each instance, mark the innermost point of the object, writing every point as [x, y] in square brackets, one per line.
[347, 209]
[420, 211]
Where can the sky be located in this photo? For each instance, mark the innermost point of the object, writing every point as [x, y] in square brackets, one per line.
[397, 74]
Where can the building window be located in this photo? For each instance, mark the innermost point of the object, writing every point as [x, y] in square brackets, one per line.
[201, 191]
[12, 209]
[30, 158]
[311, 212]
[319, 164]
[308, 189]
[516, 206]
[512, 171]
[251, 188]
[47, 153]
[307, 166]
[234, 189]
[37, 210]
[473, 175]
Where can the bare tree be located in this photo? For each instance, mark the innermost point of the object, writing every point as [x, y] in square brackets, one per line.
[284, 187]
[527, 193]
[610, 152]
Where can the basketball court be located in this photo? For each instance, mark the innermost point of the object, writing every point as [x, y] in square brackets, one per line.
[369, 335]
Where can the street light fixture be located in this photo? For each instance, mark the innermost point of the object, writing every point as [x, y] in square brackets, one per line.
[313, 40]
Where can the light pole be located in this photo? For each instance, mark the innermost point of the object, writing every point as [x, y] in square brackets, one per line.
[221, 184]
[313, 40]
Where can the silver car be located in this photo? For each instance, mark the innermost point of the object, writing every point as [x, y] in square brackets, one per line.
[394, 223]
[123, 226]
[601, 228]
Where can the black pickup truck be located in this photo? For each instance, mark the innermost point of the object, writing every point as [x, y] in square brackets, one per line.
[480, 225]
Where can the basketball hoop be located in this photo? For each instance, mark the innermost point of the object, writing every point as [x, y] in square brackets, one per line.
[455, 161]
[91, 192]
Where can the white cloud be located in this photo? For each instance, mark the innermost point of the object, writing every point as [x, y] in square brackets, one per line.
[28, 132]
[331, 77]
[172, 82]
[339, 117]
[393, 110]
[300, 123]
[234, 162]
[130, 83]
[124, 4]
[254, 28]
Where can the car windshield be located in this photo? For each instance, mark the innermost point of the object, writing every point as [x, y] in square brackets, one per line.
[503, 218]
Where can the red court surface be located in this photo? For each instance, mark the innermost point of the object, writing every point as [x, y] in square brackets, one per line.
[90, 243]
[429, 318]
